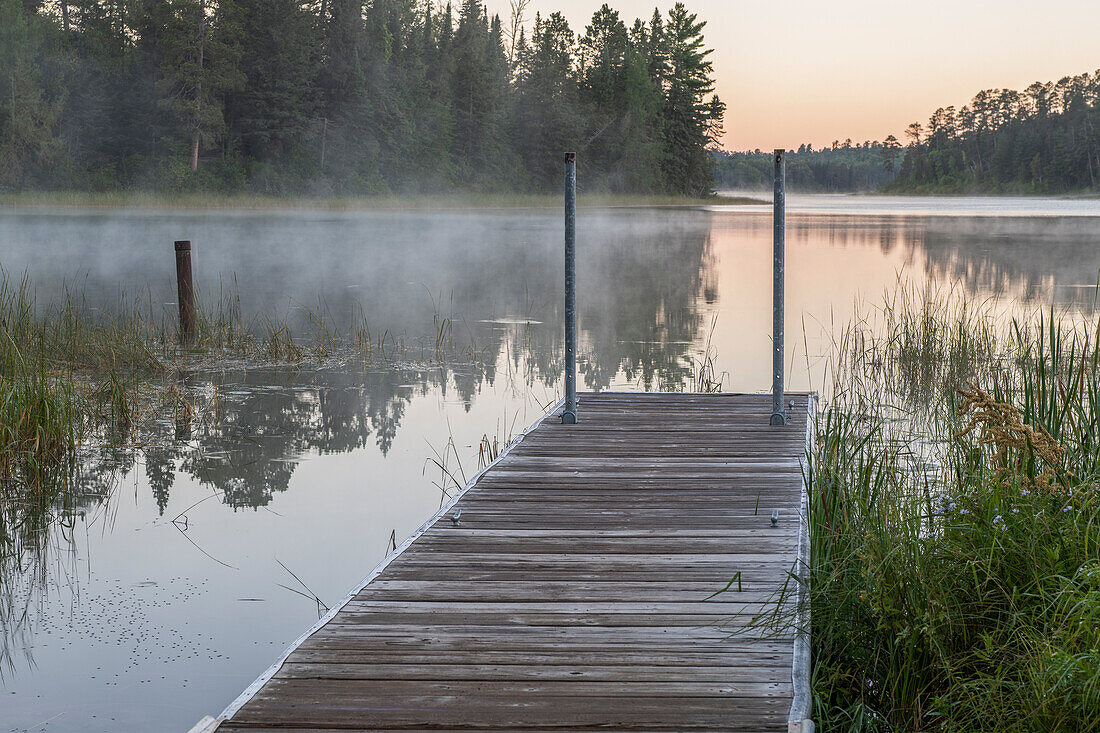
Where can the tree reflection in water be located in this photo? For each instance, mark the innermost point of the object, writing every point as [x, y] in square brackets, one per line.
[649, 282]
[640, 292]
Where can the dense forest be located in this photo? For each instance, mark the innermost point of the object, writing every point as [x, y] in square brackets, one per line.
[327, 97]
[1041, 140]
[845, 166]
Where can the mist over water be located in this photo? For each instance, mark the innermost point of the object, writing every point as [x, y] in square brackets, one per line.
[133, 621]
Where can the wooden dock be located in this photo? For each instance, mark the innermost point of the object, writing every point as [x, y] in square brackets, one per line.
[571, 593]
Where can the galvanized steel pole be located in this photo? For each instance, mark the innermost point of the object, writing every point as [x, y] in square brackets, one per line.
[779, 226]
[569, 415]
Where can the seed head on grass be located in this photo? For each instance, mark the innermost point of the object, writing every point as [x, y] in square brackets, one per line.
[1002, 427]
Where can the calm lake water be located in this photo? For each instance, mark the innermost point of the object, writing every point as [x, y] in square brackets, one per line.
[160, 597]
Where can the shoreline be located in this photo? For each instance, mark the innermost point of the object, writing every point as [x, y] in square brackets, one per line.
[1074, 196]
[418, 202]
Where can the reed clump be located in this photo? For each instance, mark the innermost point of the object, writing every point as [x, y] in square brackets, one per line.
[39, 413]
[76, 378]
[39, 418]
[955, 522]
[111, 365]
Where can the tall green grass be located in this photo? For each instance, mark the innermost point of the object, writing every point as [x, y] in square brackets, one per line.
[39, 419]
[955, 522]
[39, 414]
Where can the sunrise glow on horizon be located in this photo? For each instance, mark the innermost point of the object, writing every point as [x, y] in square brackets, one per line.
[805, 72]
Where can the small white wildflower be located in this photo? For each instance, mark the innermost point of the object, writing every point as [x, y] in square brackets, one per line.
[1015, 510]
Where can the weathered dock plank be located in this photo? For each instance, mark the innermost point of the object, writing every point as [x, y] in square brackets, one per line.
[573, 592]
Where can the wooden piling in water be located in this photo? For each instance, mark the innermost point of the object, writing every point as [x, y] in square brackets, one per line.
[185, 291]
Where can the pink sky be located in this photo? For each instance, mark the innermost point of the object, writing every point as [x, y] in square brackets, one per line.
[799, 71]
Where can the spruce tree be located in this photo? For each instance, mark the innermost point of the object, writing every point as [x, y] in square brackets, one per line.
[199, 65]
[479, 87]
[28, 116]
[548, 118]
[691, 123]
[279, 98]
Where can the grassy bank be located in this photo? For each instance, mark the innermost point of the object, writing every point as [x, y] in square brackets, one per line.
[955, 520]
[146, 200]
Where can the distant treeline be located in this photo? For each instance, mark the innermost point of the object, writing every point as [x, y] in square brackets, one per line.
[1045, 139]
[846, 166]
[349, 97]
[1041, 140]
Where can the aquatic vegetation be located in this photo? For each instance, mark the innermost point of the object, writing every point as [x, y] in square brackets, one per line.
[39, 423]
[39, 414]
[705, 377]
[954, 489]
[79, 383]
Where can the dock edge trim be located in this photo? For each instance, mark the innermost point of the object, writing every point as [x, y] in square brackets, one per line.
[235, 706]
[800, 719]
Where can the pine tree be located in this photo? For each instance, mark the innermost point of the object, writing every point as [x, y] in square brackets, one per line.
[641, 130]
[279, 98]
[548, 114]
[691, 123]
[890, 148]
[621, 103]
[199, 65]
[28, 116]
[479, 86]
[602, 60]
[341, 76]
